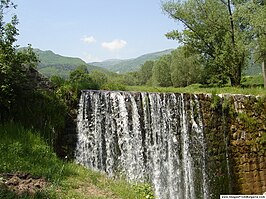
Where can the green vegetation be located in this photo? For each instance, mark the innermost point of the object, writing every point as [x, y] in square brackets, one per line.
[53, 64]
[182, 68]
[252, 81]
[50, 58]
[67, 91]
[23, 150]
[14, 65]
[222, 33]
[197, 89]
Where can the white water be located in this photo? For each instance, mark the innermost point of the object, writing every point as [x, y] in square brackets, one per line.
[146, 137]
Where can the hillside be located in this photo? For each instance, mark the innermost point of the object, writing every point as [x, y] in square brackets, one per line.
[54, 64]
[129, 65]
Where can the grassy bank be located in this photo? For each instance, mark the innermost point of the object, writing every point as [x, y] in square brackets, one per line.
[23, 151]
[199, 89]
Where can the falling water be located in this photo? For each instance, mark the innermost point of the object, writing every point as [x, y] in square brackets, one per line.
[146, 137]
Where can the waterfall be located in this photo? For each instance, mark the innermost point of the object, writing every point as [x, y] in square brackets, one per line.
[146, 137]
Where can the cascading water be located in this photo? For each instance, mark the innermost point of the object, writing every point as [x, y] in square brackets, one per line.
[146, 137]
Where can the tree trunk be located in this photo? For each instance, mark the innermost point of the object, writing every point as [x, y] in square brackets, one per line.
[231, 22]
[263, 72]
[235, 77]
[235, 81]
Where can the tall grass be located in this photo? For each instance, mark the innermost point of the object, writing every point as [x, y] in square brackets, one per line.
[24, 150]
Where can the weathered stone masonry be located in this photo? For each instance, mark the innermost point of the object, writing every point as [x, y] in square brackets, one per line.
[235, 130]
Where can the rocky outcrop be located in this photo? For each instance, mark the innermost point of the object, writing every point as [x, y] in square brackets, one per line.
[37, 80]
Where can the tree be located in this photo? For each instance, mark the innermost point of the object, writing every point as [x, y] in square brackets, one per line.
[14, 64]
[185, 67]
[161, 72]
[79, 74]
[145, 72]
[211, 30]
[253, 15]
[57, 81]
[131, 78]
[98, 77]
[80, 79]
[258, 23]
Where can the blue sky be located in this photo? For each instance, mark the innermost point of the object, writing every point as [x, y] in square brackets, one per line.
[95, 30]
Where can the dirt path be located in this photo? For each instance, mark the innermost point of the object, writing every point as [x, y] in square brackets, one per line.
[21, 183]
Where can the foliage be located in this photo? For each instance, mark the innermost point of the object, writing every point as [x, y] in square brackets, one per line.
[252, 14]
[185, 68]
[145, 190]
[68, 91]
[256, 12]
[145, 72]
[57, 80]
[180, 68]
[13, 64]
[81, 79]
[211, 30]
[216, 101]
[98, 77]
[131, 78]
[161, 72]
[41, 110]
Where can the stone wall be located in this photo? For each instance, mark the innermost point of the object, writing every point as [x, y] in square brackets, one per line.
[248, 144]
[235, 130]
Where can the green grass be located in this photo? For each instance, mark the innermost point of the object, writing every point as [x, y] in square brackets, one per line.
[196, 88]
[250, 85]
[23, 150]
[252, 81]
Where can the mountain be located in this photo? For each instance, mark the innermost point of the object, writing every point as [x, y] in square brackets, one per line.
[54, 64]
[129, 65]
[49, 58]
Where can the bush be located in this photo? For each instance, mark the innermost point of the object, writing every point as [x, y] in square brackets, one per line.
[43, 111]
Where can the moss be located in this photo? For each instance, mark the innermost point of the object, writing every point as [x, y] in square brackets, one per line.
[215, 101]
[251, 124]
[260, 106]
[228, 107]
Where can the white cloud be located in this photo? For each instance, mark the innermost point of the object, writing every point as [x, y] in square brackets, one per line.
[114, 45]
[88, 39]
